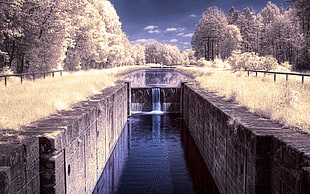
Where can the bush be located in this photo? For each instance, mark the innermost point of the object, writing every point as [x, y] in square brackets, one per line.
[203, 63]
[251, 61]
[6, 70]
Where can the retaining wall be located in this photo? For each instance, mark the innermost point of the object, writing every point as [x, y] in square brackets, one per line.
[244, 152]
[66, 152]
[141, 99]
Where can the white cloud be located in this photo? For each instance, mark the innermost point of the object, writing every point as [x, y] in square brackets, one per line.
[193, 16]
[173, 40]
[188, 35]
[151, 27]
[175, 29]
[154, 31]
[171, 29]
[185, 35]
[186, 43]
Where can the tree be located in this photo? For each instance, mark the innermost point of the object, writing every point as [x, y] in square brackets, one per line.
[281, 35]
[213, 37]
[302, 8]
[165, 54]
[138, 54]
[231, 41]
[189, 57]
[209, 33]
[54, 34]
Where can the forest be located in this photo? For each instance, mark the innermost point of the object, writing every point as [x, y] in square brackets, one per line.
[84, 34]
[54, 34]
[274, 32]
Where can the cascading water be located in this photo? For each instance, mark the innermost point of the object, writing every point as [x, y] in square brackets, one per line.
[155, 99]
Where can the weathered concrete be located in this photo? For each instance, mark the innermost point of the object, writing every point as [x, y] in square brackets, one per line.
[141, 99]
[66, 152]
[112, 172]
[244, 152]
[19, 163]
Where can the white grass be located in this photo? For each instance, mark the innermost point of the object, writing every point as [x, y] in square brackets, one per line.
[286, 102]
[22, 104]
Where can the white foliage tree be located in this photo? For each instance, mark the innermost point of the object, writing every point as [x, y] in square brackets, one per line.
[210, 35]
[54, 34]
[164, 54]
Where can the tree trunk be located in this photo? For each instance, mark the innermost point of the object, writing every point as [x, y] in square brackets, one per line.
[12, 54]
[20, 62]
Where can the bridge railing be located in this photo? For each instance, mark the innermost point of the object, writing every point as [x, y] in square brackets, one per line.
[32, 76]
[302, 75]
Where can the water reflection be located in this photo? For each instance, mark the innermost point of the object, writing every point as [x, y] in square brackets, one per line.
[156, 77]
[158, 156]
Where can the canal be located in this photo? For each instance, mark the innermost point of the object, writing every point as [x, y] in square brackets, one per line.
[156, 154]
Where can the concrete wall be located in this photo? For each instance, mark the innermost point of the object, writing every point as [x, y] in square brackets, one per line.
[19, 163]
[112, 172]
[141, 99]
[245, 153]
[66, 152]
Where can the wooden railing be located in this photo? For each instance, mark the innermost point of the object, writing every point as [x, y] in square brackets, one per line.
[302, 75]
[32, 75]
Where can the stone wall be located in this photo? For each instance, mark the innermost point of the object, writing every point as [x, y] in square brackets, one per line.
[19, 163]
[244, 152]
[141, 99]
[111, 175]
[66, 152]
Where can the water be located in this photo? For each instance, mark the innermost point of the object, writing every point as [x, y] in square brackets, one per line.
[155, 154]
[156, 100]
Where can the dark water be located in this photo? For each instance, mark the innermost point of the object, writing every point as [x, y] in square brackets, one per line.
[155, 154]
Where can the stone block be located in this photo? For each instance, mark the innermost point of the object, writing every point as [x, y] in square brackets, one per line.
[5, 179]
[33, 186]
[51, 171]
[90, 158]
[14, 157]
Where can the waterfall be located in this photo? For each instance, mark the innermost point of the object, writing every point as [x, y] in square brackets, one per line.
[156, 99]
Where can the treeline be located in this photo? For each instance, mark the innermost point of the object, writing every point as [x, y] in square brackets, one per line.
[274, 31]
[167, 54]
[55, 34]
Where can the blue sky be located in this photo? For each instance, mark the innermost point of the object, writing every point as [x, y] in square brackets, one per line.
[172, 21]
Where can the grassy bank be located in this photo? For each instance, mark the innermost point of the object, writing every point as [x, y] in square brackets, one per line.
[286, 102]
[22, 104]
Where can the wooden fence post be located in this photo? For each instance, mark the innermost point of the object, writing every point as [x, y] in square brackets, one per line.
[275, 77]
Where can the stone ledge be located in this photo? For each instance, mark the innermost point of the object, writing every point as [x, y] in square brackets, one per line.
[47, 141]
[269, 149]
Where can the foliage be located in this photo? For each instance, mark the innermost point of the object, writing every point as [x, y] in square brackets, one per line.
[217, 63]
[164, 54]
[6, 71]
[282, 33]
[213, 37]
[54, 34]
[251, 61]
[189, 57]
